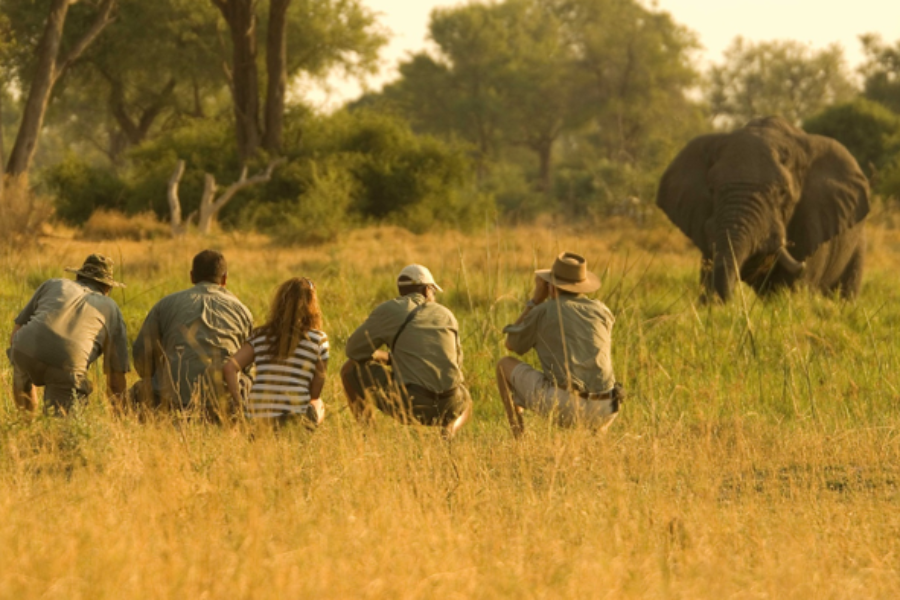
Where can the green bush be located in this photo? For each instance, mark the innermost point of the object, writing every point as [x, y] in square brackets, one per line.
[79, 189]
[206, 146]
[319, 214]
[870, 131]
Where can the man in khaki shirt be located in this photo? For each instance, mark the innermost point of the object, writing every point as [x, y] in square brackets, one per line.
[572, 335]
[425, 381]
[185, 340]
[62, 330]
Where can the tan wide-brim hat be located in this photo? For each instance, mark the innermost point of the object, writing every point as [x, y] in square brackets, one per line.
[570, 274]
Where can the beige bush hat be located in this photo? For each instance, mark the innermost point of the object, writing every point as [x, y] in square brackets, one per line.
[99, 268]
[417, 275]
[570, 274]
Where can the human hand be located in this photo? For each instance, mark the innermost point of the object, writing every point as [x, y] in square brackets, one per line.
[382, 356]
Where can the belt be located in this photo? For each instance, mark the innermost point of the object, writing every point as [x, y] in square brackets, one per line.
[418, 390]
[607, 395]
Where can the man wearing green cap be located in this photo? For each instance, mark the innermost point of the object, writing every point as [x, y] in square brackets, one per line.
[185, 340]
[62, 330]
[424, 381]
[572, 335]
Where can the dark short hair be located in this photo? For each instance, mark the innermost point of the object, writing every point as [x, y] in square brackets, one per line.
[91, 281]
[209, 265]
[407, 286]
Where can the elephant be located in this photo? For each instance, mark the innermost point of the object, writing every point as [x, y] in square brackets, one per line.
[771, 204]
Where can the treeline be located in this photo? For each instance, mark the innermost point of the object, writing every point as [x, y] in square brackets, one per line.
[519, 107]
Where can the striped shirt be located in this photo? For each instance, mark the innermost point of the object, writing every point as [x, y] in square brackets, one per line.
[283, 388]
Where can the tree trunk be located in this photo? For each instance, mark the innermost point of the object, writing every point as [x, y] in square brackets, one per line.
[545, 154]
[132, 132]
[47, 71]
[241, 18]
[39, 94]
[210, 205]
[207, 206]
[276, 70]
[174, 201]
[2, 147]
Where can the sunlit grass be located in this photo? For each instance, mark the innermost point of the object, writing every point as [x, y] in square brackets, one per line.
[757, 455]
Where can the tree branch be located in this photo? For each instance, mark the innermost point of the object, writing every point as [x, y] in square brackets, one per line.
[174, 202]
[104, 18]
[243, 182]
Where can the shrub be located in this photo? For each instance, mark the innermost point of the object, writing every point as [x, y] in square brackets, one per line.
[112, 224]
[79, 189]
[205, 146]
[23, 214]
[870, 131]
[395, 170]
[317, 215]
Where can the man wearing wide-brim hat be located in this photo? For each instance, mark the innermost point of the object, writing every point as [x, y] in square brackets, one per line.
[572, 335]
[62, 330]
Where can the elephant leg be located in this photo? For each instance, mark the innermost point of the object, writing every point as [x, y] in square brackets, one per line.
[850, 280]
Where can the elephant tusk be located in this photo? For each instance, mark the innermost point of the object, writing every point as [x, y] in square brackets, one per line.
[789, 262]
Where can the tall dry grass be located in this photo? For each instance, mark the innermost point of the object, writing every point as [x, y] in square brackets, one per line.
[757, 456]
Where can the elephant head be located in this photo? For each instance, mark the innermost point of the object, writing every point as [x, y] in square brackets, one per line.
[770, 204]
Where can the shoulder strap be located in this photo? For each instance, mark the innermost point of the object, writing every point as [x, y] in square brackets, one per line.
[409, 318]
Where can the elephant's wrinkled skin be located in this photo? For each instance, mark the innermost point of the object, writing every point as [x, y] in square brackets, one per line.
[771, 204]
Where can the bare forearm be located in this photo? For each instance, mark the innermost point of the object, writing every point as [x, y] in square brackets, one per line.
[230, 373]
[318, 381]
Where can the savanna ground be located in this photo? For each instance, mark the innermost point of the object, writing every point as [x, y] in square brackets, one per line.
[758, 455]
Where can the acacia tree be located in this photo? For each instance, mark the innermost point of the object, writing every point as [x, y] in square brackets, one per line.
[302, 36]
[156, 67]
[881, 71]
[501, 78]
[784, 78]
[52, 58]
[527, 72]
[633, 70]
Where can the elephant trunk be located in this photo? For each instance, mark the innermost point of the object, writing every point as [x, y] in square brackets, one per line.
[740, 229]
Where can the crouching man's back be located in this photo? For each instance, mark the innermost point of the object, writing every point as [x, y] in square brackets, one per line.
[186, 338]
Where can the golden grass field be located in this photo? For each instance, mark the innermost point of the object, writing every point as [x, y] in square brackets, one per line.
[758, 455]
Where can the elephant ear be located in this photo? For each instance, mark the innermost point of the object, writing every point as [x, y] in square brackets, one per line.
[684, 193]
[835, 197]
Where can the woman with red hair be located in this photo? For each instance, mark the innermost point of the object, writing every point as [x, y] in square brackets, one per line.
[291, 354]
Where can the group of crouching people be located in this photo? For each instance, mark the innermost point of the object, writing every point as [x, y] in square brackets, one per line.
[198, 351]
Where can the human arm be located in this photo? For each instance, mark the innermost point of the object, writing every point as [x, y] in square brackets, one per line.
[12, 336]
[520, 335]
[376, 331]
[243, 357]
[318, 380]
[147, 344]
[26, 313]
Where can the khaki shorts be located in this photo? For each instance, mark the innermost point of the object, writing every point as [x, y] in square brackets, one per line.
[532, 390]
[62, 387]
[412, 403]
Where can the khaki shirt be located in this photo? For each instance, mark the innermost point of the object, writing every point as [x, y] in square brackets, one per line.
[68, 324]
[572, 335]
[427, 352]
[186, 338]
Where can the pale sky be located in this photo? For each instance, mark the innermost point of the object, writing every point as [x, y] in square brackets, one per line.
[717, 22]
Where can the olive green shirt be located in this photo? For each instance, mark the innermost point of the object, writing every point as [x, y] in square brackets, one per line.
[427, 353]
[572, 335]
[186, 338]
[68, 324]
